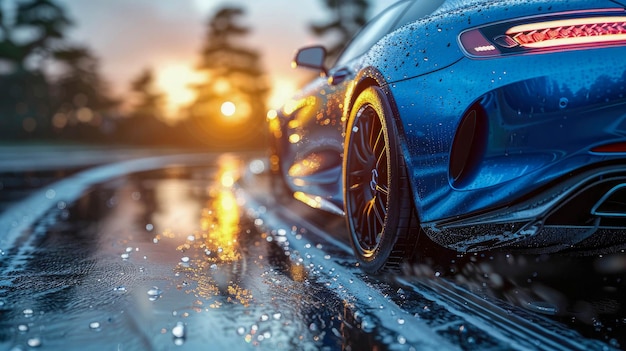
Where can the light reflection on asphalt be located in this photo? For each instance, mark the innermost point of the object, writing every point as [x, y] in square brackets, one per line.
[162, 260]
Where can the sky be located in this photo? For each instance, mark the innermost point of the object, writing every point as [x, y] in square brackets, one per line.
[166, 36]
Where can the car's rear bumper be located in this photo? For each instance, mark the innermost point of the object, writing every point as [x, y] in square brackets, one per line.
[563, 213]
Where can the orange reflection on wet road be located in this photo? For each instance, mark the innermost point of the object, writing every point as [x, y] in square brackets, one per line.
[215, 260]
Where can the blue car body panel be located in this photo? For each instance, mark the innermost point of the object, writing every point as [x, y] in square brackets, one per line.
[546, 116]
[530, 142]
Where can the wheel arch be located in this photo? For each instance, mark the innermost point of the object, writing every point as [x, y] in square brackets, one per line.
[366, 78]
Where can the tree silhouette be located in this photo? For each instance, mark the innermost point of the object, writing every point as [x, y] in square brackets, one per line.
[348, 16]
[234, 74]
[148, 100]
[29, 34]
[80, 93]
[42, 20]
[145, 123]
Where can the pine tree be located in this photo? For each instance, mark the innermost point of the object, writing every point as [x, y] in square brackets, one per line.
[44, 20]
[80, 93]
[29, 34]
[148, 100]
[234, 75]
[348, 17]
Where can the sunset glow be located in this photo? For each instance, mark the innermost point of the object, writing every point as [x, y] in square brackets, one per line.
[282, 90]
[175, 81]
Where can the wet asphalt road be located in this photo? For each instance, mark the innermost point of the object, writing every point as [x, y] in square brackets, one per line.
[199, 255]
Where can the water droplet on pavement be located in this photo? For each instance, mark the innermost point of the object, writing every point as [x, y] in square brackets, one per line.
[154, 293]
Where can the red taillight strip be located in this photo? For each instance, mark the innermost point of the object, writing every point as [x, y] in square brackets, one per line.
[611, 148]
[570, 32]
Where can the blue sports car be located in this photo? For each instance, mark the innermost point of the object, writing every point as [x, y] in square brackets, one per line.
[473, 124]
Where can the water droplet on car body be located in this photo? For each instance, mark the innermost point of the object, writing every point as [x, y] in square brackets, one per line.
[34, 342]
[179, 331]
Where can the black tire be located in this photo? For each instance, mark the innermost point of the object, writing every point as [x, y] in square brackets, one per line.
[380, 212]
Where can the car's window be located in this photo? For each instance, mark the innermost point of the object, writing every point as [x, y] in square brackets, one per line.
[417, 10]
[372, 32]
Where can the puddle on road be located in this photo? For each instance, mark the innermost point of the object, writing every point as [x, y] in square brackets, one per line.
[159, 260]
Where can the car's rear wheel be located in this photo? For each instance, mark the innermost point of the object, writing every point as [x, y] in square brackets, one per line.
[378, 201]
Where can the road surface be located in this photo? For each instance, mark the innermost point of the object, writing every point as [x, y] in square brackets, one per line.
[194, 252]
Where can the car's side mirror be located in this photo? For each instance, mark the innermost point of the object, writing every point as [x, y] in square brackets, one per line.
[311, 57]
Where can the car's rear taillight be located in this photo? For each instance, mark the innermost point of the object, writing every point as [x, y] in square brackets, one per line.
[570, 32]
[539, 34]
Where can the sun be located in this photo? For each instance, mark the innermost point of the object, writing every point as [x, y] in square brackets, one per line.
[228, 108]
[175, 81]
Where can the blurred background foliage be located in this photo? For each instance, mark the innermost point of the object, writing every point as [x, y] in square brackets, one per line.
[51, 89]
